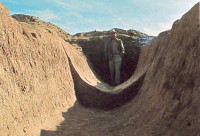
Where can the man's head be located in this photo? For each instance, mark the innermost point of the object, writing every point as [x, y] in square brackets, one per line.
[113, 34]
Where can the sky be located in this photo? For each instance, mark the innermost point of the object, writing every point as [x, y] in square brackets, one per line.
[74, 16]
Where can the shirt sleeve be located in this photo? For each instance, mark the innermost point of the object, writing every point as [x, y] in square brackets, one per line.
[122, 47]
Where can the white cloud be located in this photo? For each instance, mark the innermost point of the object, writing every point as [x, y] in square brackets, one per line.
[165, 26]
[161, 27]
[119, 21]
[64, 26]
[151, 31]
[76, 14]
[10, 1]
[122, 22]
[46, 14]
[171, 2]
[73, 9]
[63, 4]
[74, 5]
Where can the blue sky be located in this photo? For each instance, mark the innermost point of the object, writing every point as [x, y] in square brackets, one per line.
[148, 16]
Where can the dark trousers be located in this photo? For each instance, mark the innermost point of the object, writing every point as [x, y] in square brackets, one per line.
[114, 67]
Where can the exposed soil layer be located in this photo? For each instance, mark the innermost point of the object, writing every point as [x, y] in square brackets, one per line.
[35, 79]
[92, 45]
[91, 96]
[36, 85]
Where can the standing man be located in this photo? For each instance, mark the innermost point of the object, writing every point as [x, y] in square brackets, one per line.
[114, 51]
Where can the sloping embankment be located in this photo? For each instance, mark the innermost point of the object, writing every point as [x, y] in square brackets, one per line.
[36, 85]
[35, 79]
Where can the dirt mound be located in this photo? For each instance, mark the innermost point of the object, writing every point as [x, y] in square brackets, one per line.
[36, 85]
[45, 25]
[35, 79]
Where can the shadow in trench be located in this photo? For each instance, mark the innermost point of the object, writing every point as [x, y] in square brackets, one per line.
[78, 121]
[88, 113]
[74, 120]
[93, 49]
[90, 96]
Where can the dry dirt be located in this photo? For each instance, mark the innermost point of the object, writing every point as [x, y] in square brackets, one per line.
[40, 74]
[35, 79]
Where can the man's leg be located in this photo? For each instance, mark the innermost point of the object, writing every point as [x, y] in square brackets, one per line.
[118, 62]
[111, 68]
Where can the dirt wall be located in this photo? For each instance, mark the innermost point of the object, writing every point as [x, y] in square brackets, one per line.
[35, 80]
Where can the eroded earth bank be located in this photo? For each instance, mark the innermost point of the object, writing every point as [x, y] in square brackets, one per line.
[48, 87]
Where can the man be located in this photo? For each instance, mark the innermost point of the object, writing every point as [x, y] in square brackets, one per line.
[114, 51]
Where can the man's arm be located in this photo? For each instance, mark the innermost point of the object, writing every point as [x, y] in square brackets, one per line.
[122, 47]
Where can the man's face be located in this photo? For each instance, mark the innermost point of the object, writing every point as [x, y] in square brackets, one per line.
[113, 35]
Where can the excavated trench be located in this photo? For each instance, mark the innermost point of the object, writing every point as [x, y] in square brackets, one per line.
[93, 49]
[91, 96]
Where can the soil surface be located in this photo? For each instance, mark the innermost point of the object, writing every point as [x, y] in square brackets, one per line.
[48, 88]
